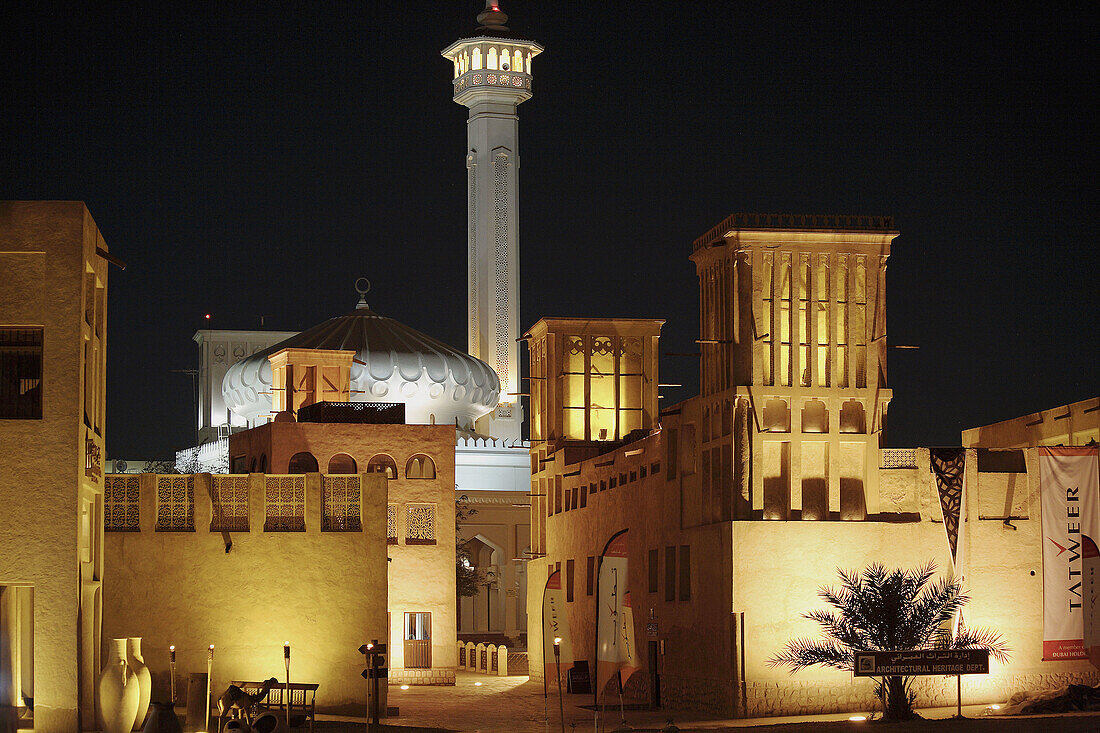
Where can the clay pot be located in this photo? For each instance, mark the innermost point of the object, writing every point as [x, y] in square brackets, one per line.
[119, 692]
[145, 680]
[236, 726]
[162, 719]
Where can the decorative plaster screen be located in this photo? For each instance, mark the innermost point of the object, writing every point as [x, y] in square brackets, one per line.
[229, 510]
[391, 524]
[121, 495]
[285, 504]
[175, 504]
[501, 279]
[340, 504]
[899, 458]
[420, 524]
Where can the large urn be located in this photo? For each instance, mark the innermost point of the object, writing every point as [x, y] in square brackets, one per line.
[119, 692]
[135, 661]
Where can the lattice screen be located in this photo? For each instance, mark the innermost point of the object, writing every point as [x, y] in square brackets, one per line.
[899, 458]
[391, 524]
[285, 504]
[501, 275]
[230, 508]
[420, 524]
[175, 504]
[340, 504]
[121, 497]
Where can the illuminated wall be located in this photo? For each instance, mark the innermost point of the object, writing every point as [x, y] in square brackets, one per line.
[54, 295]
[1075, 424]
[420, 521]
[307, 564]
[771, 571]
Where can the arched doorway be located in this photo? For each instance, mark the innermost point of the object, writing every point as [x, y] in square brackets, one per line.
[484, 612]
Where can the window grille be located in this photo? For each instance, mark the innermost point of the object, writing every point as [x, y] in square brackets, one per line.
[229, 512]
[899, 458]
[391, 524]
[121, 497]
[175, 504]
[285, 504]
[420, 524]
[340, 504]
[21, 373]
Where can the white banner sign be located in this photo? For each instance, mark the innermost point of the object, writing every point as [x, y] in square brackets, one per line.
[555, 625]
[614, 630]
[1070, 493]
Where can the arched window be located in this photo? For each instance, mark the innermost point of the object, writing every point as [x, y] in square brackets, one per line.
[382, 463]
[851, 417]
[420, 466]
[491, 63]
[777, 418]
[303, 462]
[477, 58]
[815, 419]
[517, 61]
[263, 463]
[341, 463]
[252, 465]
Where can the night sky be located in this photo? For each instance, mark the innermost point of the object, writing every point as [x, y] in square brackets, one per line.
[253, 159]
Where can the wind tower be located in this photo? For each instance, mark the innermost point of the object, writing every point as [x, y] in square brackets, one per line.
[492, 76]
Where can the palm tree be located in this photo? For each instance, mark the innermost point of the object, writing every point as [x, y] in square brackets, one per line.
[887, 610]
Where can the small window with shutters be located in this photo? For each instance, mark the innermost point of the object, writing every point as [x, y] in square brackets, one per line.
[654, 570]
[569, 581]
[591, 575]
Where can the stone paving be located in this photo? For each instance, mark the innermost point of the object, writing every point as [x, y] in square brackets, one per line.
[514, 704]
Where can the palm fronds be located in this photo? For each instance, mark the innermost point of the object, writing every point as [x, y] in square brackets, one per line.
[881, 609]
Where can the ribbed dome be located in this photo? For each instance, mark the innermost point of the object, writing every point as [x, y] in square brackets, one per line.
[398, 364]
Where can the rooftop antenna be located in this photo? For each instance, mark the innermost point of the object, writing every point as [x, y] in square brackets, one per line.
[362, 286]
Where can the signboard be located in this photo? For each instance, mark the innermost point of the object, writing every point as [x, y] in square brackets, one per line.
[921, 662]
[651, 630]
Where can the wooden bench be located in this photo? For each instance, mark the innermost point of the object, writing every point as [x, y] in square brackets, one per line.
[303, 697]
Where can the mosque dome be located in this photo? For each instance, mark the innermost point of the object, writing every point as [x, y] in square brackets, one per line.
[393, 363]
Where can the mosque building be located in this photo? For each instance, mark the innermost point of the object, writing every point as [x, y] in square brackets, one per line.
[737, 504]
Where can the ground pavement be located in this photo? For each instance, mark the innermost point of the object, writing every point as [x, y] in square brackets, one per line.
[483, 704]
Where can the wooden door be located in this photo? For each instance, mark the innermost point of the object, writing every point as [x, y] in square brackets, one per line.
[418, 640]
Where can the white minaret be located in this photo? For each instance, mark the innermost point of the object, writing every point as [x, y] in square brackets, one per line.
[492, 75]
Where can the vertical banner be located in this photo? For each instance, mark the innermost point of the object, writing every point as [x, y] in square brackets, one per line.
[949, 467]
[629, 656]
[612, 649]
[1090, 564]
[555, 625]
[1070, 497]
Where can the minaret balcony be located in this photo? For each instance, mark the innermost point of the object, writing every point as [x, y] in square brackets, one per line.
[479, 79]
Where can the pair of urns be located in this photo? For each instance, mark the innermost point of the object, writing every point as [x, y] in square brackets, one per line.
[125, 687]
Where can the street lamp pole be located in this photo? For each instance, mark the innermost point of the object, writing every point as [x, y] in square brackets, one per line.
[557, 664]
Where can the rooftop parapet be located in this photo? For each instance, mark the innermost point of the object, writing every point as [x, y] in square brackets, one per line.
[796, 222]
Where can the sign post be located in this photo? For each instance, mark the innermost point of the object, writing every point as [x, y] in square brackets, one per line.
[923, 662]
[375, 670]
